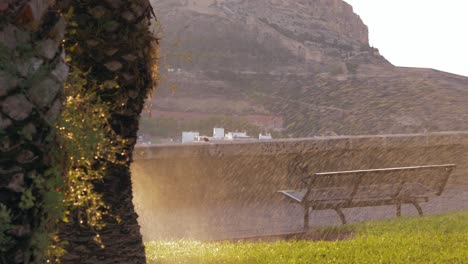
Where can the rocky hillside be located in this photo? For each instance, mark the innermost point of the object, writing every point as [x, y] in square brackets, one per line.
[306, 62]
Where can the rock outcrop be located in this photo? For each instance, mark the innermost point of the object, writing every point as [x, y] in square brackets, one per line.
[306, 61]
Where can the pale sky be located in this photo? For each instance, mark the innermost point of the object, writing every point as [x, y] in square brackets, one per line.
[418, 33]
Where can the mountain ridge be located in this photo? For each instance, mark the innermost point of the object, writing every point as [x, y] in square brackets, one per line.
[308, 62]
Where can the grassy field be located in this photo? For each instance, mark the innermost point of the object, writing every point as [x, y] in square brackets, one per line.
[435, 239]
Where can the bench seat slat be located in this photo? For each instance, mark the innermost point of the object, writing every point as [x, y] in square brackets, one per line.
[296, 195]
[368, 192]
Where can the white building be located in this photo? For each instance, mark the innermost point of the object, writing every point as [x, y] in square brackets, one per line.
[237, 136]
[188, 137]
[265, 137]
[218, 133]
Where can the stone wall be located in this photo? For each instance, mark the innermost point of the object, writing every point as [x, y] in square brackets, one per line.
[199, 175]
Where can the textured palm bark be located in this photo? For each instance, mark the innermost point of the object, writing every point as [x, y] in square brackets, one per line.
[111, 39]
[32, 72]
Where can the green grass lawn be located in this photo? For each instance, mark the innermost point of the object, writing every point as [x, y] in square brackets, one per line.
[435, 239]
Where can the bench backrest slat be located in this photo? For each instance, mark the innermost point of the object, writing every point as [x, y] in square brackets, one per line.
[390, 182]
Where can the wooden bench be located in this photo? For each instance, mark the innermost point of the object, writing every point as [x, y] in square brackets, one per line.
[363, 188]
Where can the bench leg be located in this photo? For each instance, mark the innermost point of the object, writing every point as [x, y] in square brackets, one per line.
[418, 207]
[341, 214]
[398, 209]
[306, 217]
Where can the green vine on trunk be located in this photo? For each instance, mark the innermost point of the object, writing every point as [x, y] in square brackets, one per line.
[84, 139]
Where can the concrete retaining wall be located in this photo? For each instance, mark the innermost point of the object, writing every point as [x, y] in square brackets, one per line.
[200, 175]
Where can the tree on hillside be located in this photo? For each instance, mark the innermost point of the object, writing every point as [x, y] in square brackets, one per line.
[32, 72]
[110, 40]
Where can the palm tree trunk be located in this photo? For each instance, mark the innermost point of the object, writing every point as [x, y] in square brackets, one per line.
[111, 40]
[32, 72]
